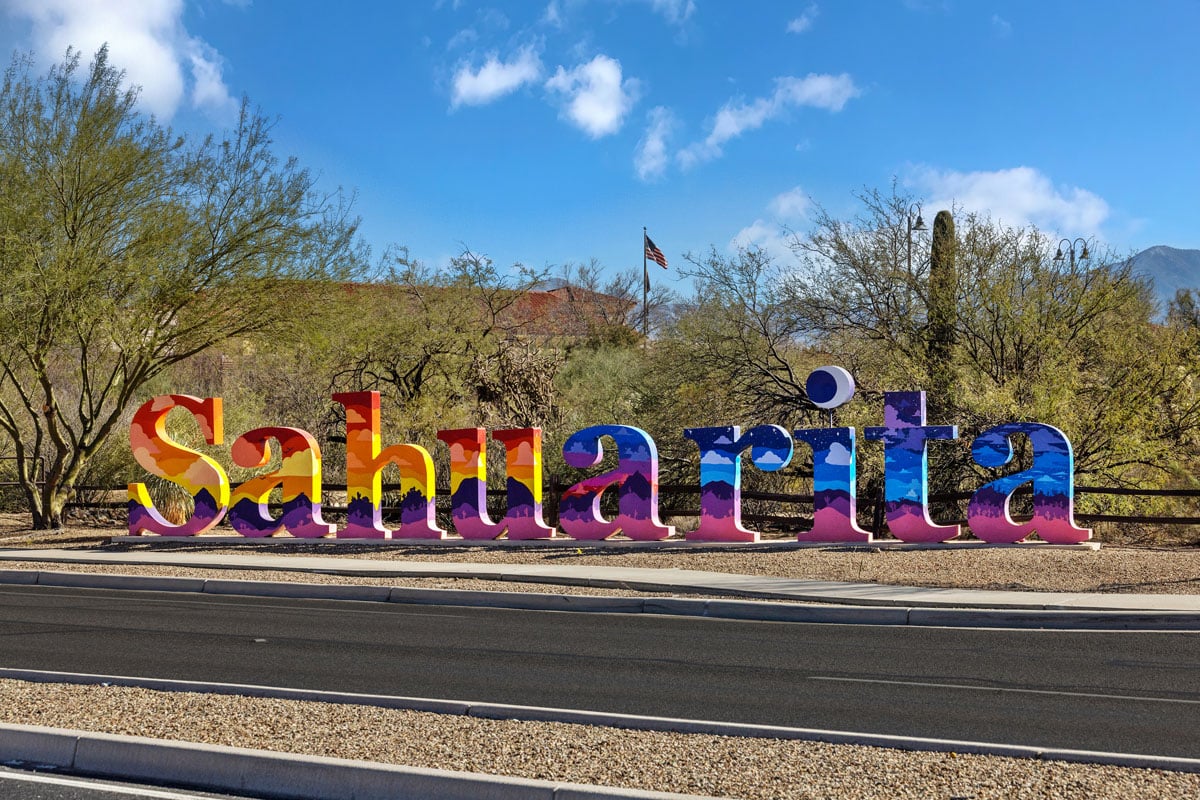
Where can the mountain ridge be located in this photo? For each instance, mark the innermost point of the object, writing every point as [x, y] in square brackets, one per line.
[1169, 270]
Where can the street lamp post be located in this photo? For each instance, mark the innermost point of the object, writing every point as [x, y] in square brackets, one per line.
[918, 225]
[1059, 256]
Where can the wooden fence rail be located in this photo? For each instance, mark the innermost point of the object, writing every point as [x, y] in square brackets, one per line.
[868, 505]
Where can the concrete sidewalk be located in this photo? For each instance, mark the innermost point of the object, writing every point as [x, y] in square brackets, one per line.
[652, 580]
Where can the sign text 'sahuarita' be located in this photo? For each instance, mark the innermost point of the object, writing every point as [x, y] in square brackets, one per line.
[722, 451]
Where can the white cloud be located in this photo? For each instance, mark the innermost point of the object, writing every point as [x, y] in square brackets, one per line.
[597, 97]
[1018, 196]
[803, 22]
[732, 120]
[146, 38]
[791, 206]
[827, 92]
[839, 455]
[769, 458]
[1001, 26]
[495, 78]
[208, 90]
[772, 235]
[553, 14]
[674, 11]
[650, 160]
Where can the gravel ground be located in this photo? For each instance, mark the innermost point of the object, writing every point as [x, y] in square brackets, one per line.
[707, 765]
[755, 769]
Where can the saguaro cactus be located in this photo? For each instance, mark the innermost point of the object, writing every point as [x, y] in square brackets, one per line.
[943, 291]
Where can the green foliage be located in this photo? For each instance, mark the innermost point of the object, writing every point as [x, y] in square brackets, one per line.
[743, 331]
[612, 311]
[441, 346]
[127, 249]
[601, 386]
[1013, 334]
[1184, 309]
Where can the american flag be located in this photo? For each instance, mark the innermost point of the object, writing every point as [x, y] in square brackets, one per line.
[653, 253]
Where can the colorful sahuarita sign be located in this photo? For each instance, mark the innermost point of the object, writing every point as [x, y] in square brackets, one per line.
[904, 434]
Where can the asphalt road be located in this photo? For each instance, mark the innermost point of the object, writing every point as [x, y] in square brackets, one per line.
[1118, 692]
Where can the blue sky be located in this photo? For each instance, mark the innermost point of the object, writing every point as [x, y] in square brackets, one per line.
[551, 131]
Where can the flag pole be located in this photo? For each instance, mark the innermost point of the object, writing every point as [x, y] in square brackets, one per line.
[645, 284]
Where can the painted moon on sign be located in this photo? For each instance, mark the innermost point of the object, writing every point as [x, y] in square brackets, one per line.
[829, 387]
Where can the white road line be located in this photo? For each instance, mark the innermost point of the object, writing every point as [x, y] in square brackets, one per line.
[37, 777]
[981, 688]
[402, 609]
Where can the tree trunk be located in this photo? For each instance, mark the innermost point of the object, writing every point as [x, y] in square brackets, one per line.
[50, 520]
[46, 502]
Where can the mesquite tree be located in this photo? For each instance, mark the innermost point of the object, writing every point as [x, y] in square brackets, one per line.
[124, 249]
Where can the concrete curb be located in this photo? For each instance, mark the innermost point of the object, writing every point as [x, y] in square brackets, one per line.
[763, 611]
[31, 737]
[274, 774]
